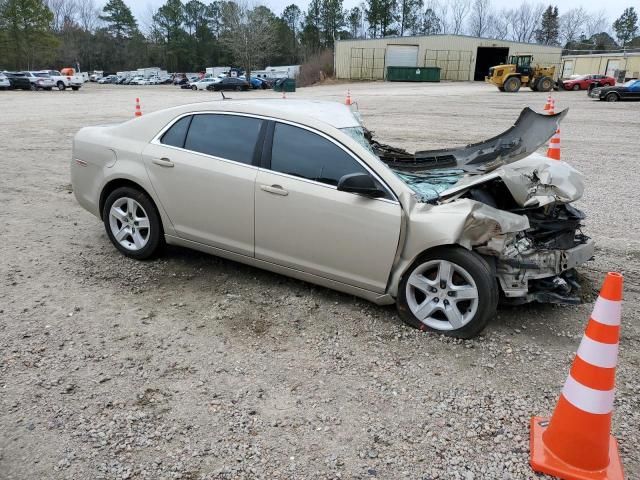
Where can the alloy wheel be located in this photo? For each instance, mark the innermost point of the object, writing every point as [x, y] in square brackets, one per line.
[442, 295]
[129, 224]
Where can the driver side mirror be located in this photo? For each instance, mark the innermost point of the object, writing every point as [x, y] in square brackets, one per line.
[360, 183]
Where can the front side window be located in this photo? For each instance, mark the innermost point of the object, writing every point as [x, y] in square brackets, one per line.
[226, 136]
[304, 154]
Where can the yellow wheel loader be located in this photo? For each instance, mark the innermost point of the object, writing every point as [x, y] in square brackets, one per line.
[519, 72]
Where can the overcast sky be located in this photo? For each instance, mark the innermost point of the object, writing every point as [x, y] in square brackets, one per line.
[613, 8]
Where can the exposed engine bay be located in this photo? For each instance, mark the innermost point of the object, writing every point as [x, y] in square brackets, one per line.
[537, 262]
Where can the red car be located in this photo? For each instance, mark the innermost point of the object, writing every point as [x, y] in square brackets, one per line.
[582, 82]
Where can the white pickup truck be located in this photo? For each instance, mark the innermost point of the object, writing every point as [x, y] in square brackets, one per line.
[65, 81]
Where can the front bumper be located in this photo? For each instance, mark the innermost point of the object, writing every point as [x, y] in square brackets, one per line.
[543, 275]
[595, 93]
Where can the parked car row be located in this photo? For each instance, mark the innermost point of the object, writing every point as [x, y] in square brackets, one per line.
[137, 80]
[584, 82]
[38, 80]
[219, 83]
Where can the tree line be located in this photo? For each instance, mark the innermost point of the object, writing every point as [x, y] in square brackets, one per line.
[191, 34]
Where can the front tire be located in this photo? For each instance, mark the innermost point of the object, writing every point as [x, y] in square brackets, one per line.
[132, 223]
[612, 97]
[448, 290]
[512, 84]
[576, 87]
[61, 86]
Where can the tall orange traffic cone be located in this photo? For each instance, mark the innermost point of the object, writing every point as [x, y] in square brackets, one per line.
[348, 100]
[576, 444]
[547, 105]
[554, 143]
[138, 111]
[552, 106]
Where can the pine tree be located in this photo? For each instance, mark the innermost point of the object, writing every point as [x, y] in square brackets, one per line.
[626, 27]
[549, 29]
[431, 24]
[28, 38]
[332, 18]
[119, 19]
[409, 16]
[354, 19]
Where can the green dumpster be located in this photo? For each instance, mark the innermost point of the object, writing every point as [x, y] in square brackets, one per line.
[285, 85]
[413, 74]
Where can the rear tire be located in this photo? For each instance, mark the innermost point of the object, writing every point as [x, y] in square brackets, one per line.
[576, 87]
[512, 85]
[150, 237]
[194, 88]
[545, 84]
[75, 89]
[422, 288]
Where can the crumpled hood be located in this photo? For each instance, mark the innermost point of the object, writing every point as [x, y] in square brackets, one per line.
[534, 181]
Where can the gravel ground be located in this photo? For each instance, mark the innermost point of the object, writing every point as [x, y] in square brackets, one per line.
[195, 367]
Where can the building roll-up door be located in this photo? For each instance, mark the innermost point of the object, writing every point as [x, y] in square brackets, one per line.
[401, 56]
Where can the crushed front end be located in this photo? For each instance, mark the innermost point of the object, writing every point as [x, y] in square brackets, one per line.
[537, 261]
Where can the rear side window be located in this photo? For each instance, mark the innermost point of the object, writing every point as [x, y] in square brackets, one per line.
[176, 135]
[304, 154]
[225, 136]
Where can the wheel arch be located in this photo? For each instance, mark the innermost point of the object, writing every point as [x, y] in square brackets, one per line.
[403, 266]
[124, 182]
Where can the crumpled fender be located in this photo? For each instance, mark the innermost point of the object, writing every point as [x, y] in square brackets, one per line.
[465, 222]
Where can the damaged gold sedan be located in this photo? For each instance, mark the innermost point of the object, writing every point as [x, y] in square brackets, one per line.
[302, 188]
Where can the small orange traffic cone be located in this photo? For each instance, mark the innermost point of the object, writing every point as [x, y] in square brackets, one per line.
[348, 100]
[552, 106]
[138, 111]
[576, 444]
[554, 146]
[547, 105]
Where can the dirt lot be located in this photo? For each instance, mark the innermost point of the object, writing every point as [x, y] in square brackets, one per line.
[195, 367]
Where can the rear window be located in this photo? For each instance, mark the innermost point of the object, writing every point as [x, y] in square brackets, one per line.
[226, 136]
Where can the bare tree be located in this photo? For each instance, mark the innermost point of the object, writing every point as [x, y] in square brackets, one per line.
[248, 33]
[64, 12]
[459, 12]
[572, 24]
[597, 22]
[441, 9]
[499, 24]
[480, 17]
[524, 21]
[88, 15]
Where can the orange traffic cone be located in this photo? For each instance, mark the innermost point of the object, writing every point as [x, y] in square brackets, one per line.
[138, 111]
[348, 100]
[576, 444]
[554, 146]
[547, 105]
[552, 106]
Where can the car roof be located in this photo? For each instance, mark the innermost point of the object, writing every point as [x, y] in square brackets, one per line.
[333, 113]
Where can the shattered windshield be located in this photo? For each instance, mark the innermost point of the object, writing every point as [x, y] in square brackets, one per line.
[427, 184]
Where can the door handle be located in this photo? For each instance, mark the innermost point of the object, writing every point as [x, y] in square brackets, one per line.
[275, 189]
[163, 162]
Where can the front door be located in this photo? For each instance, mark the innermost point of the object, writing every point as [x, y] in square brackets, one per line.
[304, 222]
[202, 172]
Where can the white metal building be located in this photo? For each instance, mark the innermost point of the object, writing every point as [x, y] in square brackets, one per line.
[603, 64]
[459, 57]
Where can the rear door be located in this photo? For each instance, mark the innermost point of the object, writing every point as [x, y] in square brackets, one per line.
[202, 169]
[303, 222]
